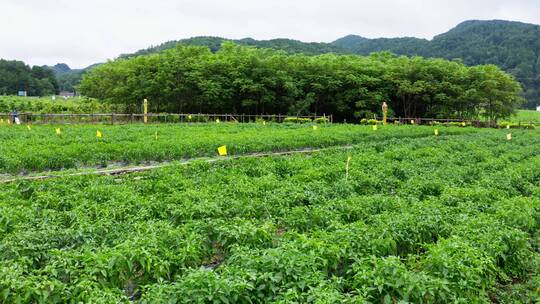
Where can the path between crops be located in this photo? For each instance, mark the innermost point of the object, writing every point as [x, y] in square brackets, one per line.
[132, 169]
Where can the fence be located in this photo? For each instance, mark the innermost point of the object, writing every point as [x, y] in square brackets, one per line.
[116, 118]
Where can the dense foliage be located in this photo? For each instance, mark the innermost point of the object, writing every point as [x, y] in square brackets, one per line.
[417, 219]
[513, 46]
[239, 79]
[49, 106]
[16, 76]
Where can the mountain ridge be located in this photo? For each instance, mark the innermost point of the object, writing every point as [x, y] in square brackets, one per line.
[512, 45]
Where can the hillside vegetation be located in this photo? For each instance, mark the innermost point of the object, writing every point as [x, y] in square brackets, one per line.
[512, 46]
[239, 79]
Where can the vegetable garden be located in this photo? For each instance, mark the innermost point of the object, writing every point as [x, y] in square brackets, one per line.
[405, 216]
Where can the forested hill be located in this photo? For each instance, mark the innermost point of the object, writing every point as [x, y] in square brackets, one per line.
[214, 43]
[513, 46]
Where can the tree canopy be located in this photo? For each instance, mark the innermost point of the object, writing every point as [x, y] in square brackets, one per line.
[16, 76]
[239, 79]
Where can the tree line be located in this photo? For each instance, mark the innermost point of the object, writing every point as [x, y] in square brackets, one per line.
[16, 76]
[240, 79]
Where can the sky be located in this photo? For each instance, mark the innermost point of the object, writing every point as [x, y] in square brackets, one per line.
[84, 32]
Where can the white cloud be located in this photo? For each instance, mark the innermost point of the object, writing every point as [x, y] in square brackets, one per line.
[81, 32]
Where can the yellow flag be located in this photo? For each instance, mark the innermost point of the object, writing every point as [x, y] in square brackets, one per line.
[436, 132]
[28, 127]
[509, 136]
[189, 117]
[222, 151]
[99, 134]
[315, 127]
[58, 131]
[374, 127]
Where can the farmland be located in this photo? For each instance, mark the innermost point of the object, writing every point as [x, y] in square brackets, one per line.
[40, 148]
[402, 216]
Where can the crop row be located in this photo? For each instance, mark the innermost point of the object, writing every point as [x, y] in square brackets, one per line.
[39, 148]
[421, 220]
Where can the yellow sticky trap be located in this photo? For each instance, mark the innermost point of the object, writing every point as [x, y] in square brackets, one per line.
[28, 127]
[189, 117]
[374, 127]
[315, 127]
[412, 122]
[222, 151]
[58, 131]
[99, 134]
[436, 132]
[509, 136]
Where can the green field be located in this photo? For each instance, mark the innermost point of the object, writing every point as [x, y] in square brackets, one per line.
[416, 218]
[526, 116]
[40, 148]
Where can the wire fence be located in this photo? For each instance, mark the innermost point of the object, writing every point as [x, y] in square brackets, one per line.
[117, 118]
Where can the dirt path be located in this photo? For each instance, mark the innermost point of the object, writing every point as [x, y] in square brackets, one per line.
[132, 169]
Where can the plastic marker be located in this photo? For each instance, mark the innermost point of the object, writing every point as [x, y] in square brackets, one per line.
[222, 151]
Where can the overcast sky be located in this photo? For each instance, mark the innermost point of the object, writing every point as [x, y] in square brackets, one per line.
[83, 32]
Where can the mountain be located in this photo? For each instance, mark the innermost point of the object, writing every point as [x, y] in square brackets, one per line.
[68, 78]
[513, 46]
[214, 43]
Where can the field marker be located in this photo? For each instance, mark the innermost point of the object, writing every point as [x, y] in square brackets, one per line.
[99, 134]
[509, 136]
[347, 167]
[222, 151]
[58, 131]
[436, 132]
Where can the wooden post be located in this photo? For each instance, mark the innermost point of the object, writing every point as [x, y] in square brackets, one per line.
[145, 110]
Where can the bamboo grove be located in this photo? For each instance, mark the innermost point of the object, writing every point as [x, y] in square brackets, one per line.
[239, 79]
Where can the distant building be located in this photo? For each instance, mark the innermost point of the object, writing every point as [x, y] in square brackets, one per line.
[66, 94]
